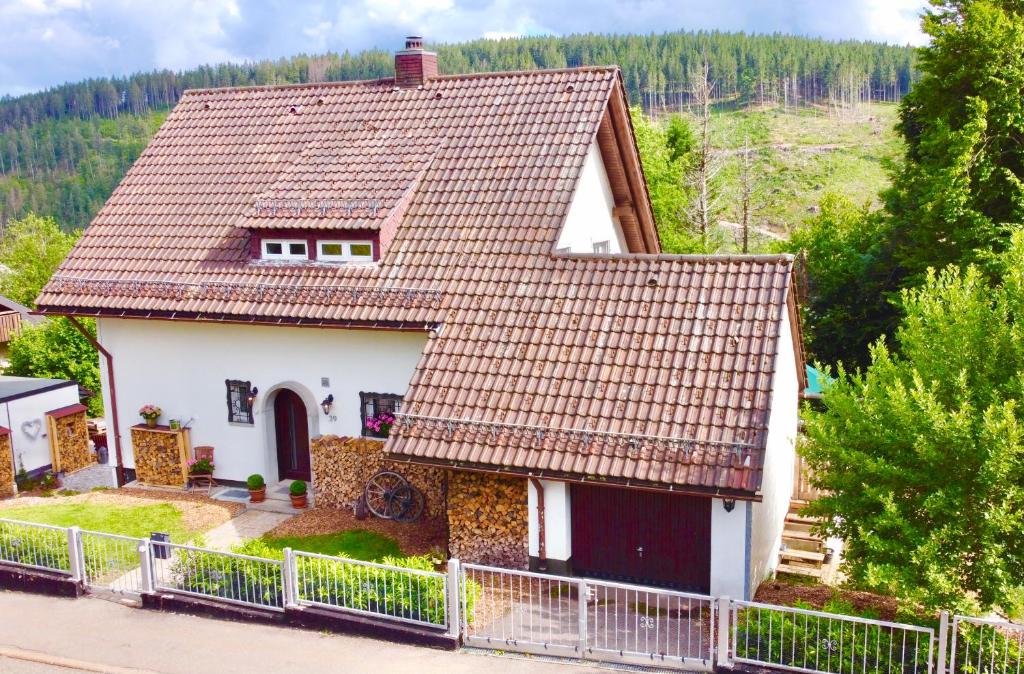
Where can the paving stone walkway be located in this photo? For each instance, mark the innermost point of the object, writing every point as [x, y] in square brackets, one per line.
[250, 524]
[91, 477]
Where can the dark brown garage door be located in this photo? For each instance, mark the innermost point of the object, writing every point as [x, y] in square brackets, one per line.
[642, 537]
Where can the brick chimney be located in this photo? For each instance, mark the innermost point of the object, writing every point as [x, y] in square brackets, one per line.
[414, 65]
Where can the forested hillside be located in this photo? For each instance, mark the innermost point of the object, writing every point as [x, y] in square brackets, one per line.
[62, 151]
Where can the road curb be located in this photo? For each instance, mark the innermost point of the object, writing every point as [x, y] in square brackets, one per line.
[69, 663]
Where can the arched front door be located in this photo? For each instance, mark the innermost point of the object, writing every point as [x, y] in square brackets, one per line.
[292, 436]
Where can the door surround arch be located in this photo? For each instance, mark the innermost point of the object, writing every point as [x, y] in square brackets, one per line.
[270, 427]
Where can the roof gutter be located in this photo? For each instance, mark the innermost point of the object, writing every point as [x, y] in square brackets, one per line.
[113, 396]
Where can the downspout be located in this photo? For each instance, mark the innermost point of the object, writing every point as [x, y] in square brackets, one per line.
[542, 553]
[113, 396]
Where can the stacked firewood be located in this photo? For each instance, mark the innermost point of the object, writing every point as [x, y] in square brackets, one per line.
[488, 519]
[342, 466]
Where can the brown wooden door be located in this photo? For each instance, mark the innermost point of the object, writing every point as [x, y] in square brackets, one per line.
[642, 537]
[292, 436]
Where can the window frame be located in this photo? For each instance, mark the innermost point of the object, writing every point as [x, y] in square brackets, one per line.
[375, 398]
[346, 247]
[242, 412]
[285, 245]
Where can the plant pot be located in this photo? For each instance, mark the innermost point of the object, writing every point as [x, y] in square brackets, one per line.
[299, 501]
[258, 495]
[151, 422]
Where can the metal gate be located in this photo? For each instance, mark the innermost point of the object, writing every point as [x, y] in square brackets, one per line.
[585, 618]
[113, 563]
[990, 646]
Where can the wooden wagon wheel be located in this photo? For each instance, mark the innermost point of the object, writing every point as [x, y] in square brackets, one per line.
[413, 507]
[387, 494]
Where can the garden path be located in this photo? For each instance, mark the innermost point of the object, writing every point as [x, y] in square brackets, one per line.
[250, 524]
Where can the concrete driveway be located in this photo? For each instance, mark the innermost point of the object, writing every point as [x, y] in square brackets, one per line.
[44, 634]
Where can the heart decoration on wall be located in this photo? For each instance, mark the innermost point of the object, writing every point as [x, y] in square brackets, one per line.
[32, 428]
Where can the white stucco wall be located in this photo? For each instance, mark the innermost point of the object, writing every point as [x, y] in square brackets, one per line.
[557, 520]
[729, 549]
[31, 442]
[769, 515]
[181, 366]
[590, 218]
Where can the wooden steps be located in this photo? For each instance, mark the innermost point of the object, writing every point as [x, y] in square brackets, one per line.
[803, 551]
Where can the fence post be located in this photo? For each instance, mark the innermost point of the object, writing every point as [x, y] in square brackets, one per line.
[722, 658]
[75, 564]
[581, 598]
[288, 575]
[146, 566]
[943, 642]
[453, 600]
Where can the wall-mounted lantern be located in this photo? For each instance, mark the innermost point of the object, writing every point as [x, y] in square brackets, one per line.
[251, 398]
[328, 403]
[729, 504]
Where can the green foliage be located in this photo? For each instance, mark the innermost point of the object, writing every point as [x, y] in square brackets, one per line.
[55, 349]
[923, 453]
[136, 521]
[47, 548]
[842, 647]
[368, 546]
[847, 267]
[31, 248]
[216, 575]
[960, 192]
[664, 153]
[255, 482]
[297, 488]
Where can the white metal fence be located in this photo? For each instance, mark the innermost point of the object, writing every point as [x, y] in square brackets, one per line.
[815, 641]
[37, 546]
[506, 609]
[981, 646]
[380, 590]
[585, 618]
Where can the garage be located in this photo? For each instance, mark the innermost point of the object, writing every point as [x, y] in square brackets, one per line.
[647, 537]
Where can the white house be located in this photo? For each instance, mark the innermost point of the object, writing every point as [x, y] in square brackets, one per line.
[24, 404]
[478, 254]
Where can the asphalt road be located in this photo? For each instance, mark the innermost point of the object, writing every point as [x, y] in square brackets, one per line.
[39, 633]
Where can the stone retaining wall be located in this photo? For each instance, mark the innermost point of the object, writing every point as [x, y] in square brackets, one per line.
[342, 466]
[488, 519]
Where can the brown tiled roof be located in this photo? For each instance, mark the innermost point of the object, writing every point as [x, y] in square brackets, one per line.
[641, 368]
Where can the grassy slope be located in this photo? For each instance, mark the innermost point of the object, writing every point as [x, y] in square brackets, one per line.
[801, 156]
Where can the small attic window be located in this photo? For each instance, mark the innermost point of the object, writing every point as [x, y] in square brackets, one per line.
[285, 249]
[344, 251]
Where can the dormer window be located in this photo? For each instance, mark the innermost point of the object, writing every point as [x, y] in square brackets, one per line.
[344, 251]
[285, 249]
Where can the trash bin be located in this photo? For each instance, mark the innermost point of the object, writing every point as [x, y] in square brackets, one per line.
[102, 455]
[160, 551]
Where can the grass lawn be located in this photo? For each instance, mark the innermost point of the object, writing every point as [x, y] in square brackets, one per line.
[359, 544]
[137, 521]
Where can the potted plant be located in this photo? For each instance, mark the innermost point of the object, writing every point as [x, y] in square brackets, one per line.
[200, 467]
[380, 424]
[297, 492]
[257, 488]
[150, 413]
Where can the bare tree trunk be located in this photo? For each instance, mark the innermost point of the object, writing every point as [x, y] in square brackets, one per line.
[705, 167]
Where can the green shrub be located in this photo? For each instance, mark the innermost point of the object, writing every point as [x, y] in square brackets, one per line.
[47, 548]
[800, 640]
[297, 488]
[255, 482]
[217, 575]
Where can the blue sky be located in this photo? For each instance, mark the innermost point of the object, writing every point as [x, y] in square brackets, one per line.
[49, 42]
